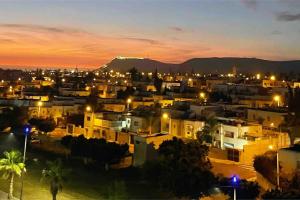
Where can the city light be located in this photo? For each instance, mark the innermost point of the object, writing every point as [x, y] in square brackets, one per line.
[202, 95]
[165, 115]
[129, 100]
[258, 76]
[40, 103]
[277, 99]
[273, 78]
[88, 108]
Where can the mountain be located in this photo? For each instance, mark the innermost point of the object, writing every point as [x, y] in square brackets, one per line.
[206, 65]
[141, 64]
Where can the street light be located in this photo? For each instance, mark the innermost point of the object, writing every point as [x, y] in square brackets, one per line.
[26, 131]
[277, 98]
[235, 182]
[277, 164]
[273, 78]
[40, 104]
[88, 108]
[165, 116]
[128, 103]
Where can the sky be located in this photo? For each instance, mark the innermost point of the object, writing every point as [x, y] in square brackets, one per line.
[90, 33]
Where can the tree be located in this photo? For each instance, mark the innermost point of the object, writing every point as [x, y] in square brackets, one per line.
[56, 175]
[12, 165]
[157, 81]
[45, 125]
[117, 190]
[134, 74]
[292, 121]
[206, 135]
[183, 168]
[245, 189]
[266, 165]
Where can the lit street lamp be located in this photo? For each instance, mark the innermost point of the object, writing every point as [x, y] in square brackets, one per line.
[235, 182]
[128, 103]
[88, 108]
[277, 98]
[26, 131]
[277, 165]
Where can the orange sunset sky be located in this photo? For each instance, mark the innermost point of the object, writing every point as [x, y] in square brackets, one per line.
[88, 34]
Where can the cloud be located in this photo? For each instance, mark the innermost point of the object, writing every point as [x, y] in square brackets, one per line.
[176, 28]
[287, 17]
[276, 32]
[7, 41]
[143, 40]
[251, 4]
[40, 28]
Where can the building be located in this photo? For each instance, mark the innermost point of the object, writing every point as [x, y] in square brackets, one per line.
[289, 159]
[145, 147]
[268, 117]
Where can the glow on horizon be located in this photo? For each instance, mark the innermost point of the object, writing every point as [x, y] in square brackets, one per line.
[90, 34]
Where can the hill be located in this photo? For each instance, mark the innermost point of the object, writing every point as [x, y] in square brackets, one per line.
[206, 65]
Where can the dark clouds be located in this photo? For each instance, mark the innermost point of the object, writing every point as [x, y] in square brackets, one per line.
[287, 17]
[251, 4]
[176, 28]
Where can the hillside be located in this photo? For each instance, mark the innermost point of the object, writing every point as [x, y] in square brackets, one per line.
[206, 65]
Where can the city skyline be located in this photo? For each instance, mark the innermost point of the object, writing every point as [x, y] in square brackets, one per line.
[89, 34]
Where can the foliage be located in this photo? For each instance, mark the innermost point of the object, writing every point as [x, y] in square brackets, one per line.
[117, 190]
[77, 119]
[219, 96]
[277, 194]
[11, 165]
[96, 149]
[67, 141]
[206, 134]
[135, 74]
[289, 189]
[45, 125]
[244, 190]
[266, 165]
[15, 118]
[292, 121]
[56, 175]
[183, 168]
[157, 81]
[125, 94]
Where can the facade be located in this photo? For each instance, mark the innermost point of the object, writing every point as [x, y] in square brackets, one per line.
[271, 118]
[289, 159]
[145, 147]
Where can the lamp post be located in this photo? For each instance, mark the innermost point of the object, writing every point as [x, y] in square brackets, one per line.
[277, 165]
[40, 104]
[276, 98]
[128, 103]
[235, 183]
[26, 131]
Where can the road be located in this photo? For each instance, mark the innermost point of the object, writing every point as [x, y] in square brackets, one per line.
[228, 169]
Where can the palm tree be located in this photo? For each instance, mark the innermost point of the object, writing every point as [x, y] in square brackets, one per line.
[12, 165]
[56, 175]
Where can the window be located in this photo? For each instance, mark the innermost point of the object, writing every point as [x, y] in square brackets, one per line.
[229, 134]
[268, 118]
[135, 123]
[88, 118]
